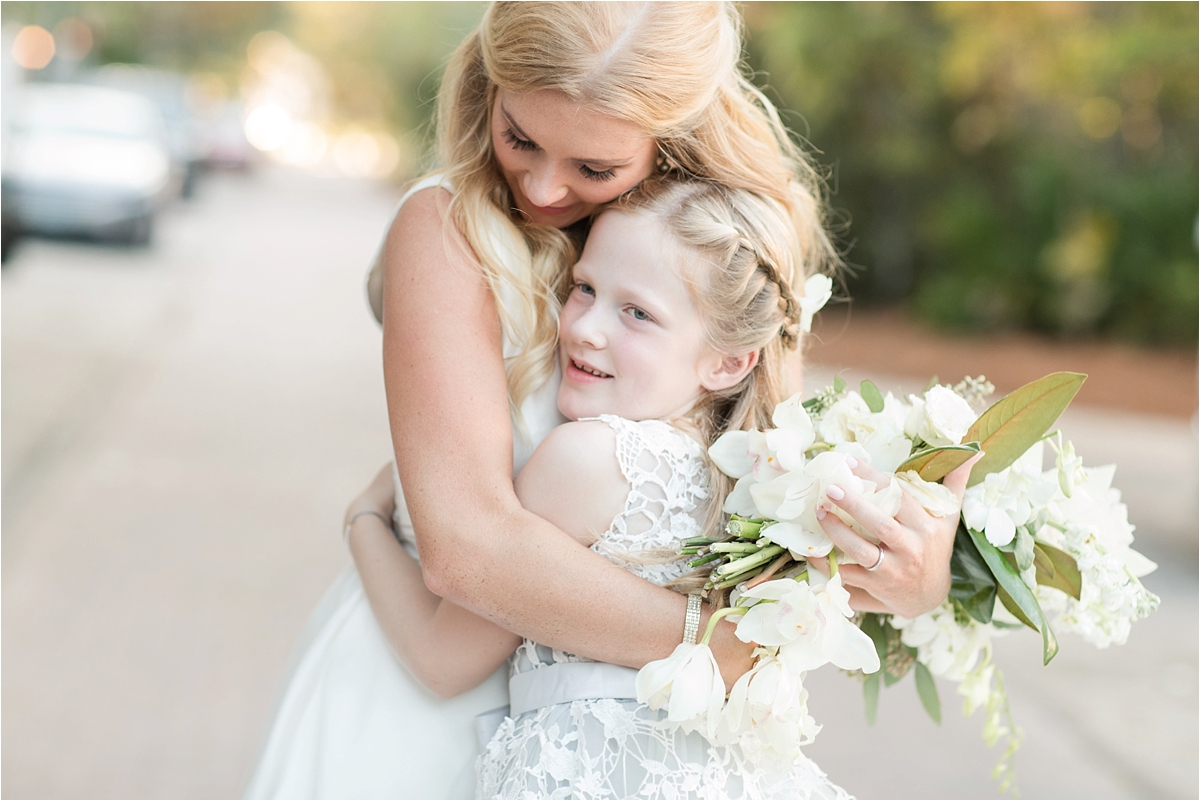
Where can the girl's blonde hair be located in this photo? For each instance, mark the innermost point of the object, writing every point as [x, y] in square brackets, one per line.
[739, 258]
[671, 68]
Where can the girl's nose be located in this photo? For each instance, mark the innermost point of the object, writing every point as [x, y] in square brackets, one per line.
[543, 186]
[588, 329]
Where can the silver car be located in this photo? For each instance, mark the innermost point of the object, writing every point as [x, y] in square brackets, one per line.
[85, 160]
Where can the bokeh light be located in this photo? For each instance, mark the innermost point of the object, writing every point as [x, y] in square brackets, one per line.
[33, 47]
[74, 38]
[268, 126]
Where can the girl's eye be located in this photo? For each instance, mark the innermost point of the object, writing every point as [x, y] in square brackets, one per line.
[593, 175]
[516, 142]
[639, 314]
[585, 288]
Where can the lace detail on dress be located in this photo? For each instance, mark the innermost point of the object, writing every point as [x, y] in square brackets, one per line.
[668, 485]
[609, 748]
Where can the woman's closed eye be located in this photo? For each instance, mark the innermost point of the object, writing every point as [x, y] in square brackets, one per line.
[516, 142]
[597, 175]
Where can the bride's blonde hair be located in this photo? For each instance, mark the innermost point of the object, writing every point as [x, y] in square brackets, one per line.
[671, 68]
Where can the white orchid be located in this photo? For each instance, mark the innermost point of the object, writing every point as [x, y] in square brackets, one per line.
[818, 289]
[940, 418]
[688, 683]
[1009, 498]
[770, 703]
[811, 626]
[946, 646]
[936, 499]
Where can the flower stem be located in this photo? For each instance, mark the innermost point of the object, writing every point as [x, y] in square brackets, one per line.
[771, 570]
[833, 563]
[717, 615]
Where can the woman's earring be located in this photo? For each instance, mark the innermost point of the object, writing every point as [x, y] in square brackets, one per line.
[664, 162]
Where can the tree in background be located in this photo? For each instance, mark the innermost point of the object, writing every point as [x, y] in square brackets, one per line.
[1005, 165]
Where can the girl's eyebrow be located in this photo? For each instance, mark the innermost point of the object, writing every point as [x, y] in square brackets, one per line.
[604, 163]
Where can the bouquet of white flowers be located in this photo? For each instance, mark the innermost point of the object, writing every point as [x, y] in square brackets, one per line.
[1048, 549]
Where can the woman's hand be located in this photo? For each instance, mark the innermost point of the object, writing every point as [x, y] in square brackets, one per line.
[908, 572]
[379, 497]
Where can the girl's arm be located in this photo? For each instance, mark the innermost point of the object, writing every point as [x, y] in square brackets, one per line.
[448, 405]
[572, 480]
[447, 648]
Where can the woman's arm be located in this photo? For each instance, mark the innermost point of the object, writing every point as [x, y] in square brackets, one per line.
[448, 404]
[448, 649]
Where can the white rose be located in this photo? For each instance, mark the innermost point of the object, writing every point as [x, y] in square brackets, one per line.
[942, 418]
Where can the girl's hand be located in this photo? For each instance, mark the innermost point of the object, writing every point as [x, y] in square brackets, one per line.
[914, 575]
[379, 497]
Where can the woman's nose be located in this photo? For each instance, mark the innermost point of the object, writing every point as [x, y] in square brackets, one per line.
[543, 186]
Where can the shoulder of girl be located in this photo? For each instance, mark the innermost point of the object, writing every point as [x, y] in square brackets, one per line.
[578, 444]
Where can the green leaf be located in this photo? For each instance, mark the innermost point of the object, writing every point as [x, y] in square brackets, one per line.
[870, 393]
[1015, 595]
[871, 697]
[872, 626]
[838, 384]
[927, 690]
[932, 464]
[1057, 569]
[1023, 548]
[971, 583]
[933, 382]
[1012, 425]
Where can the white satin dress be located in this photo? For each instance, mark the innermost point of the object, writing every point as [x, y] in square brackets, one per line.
[351, 721]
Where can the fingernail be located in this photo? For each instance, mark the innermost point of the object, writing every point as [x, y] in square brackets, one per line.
[821, 512]
[851, 462]
[835, 492]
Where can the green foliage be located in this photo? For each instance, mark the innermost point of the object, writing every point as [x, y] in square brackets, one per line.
[1015, 595]
[871, 396]
[1018, 420]
[1004, 165]
[972, 584]
[932, 464]
[928, 693]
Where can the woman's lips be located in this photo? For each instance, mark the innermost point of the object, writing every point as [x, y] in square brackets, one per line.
[552, 211]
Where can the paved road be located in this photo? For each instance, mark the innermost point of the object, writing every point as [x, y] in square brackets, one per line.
[183, 426]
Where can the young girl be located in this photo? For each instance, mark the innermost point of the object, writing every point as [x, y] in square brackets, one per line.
[674, 330]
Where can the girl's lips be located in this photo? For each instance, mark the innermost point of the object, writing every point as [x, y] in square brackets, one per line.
[583, 372]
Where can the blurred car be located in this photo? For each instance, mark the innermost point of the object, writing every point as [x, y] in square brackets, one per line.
[85, 160]
[167, 91]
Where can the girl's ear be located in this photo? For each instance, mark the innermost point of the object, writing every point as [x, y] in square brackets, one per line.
[722, 372]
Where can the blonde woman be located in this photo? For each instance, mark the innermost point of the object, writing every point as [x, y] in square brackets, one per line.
[546, 112]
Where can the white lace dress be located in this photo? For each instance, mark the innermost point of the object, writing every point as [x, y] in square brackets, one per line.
[612, 747]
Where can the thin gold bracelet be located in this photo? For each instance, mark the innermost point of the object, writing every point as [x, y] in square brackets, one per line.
[350, 523]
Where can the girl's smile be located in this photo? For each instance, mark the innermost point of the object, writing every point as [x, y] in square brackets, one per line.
[631, 340]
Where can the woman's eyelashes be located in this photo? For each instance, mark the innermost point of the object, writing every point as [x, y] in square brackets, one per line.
[594, 175]
[516, 142]
[526, 145]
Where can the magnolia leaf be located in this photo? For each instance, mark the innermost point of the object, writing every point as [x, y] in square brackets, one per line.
[838, 384]
[932, 464]
[1057, 569]
[871, 697]
[927, 690]
[1012, 425]
[971, 583]
[1015, 595]
[870, 393]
